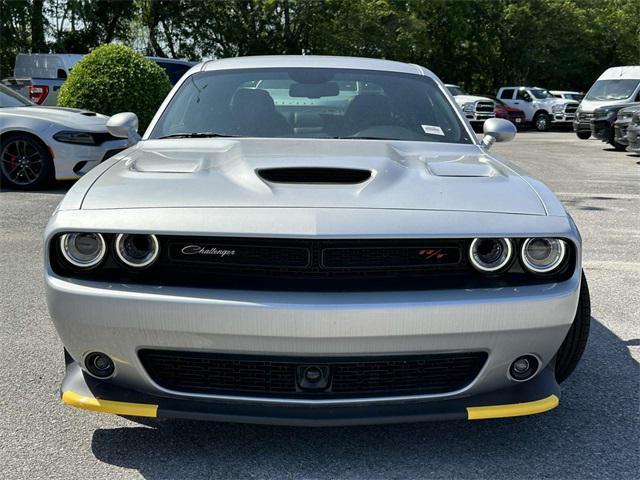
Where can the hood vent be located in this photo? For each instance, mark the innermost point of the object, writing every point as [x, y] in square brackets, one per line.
[342, 176]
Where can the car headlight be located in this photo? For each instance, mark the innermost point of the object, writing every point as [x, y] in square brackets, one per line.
[543, 255]
[137, 250]
[604, 113]
[83, 249]
[490, 254]
[80, 138]
[468, 107]
[557, 108]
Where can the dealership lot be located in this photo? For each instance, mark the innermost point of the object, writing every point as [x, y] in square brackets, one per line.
[594, 432]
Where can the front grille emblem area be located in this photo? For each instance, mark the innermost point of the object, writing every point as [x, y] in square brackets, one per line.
[313, 377]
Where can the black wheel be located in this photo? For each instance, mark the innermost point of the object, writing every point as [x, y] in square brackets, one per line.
[25, 162]
[575, 342]
[583, 135]
[542, 122]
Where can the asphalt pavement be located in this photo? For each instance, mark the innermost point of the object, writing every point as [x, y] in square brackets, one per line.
[594, 433]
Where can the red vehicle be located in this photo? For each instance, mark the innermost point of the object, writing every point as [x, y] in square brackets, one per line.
[514, 115]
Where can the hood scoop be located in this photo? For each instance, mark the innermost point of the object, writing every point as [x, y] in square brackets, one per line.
[315, 175]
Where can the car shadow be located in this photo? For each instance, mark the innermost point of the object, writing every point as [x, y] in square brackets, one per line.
[593, 433]
[59, 187]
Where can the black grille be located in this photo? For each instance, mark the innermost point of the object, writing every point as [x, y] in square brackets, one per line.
[201, 372]
[286, 264]
[571, 108]
[315, 175]
[484, 107]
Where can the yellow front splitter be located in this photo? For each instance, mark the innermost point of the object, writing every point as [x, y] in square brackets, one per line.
[150, 410]
[513, 409]
[109, 406]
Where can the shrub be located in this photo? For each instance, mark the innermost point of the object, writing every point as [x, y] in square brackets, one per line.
[113, 79]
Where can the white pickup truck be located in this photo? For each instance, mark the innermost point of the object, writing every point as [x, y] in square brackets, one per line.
[476, 109]
[540, 107]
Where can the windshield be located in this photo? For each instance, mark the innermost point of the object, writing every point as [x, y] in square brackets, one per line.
[540, 93]
[612, 89]
[456, 90]
[311, 103]
[9, 98]
[574, 96]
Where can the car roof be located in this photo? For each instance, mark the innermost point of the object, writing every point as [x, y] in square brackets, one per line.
[314, 61]
[172, 60]
[616, 73]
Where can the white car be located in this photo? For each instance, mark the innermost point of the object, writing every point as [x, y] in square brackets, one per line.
[279, 250]
[567, 95]
[540, 107]
[476, 109]
[39, 144]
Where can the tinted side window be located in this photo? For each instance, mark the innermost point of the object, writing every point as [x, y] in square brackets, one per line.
[507, 94]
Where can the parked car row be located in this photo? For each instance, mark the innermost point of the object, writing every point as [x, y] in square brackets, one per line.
[519, 104]
[39, 76]
[614, 96]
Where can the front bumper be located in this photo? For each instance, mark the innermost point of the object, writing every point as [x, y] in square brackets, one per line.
[119, 320]
[602, 130]
[633, 137]
[562, 117]
[536, 396]
[72, 161]
[620, 131]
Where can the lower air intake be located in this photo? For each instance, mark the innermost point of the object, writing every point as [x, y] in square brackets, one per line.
[208, 373]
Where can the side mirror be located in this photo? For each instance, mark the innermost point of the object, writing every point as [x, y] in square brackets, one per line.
[497, 130]
[124, 125]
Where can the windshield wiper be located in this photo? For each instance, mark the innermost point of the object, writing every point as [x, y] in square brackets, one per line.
[197, 135]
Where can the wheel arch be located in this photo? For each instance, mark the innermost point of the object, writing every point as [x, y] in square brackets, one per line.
[539, 111]
[19, 131]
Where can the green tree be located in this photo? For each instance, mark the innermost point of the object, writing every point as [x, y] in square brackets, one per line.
[114, 78]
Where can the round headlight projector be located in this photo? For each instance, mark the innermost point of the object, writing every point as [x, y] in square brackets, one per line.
[137, 250]
[543, 255]
[490, 254]
[83, 250]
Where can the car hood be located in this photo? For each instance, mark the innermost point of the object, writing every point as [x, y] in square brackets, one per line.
[462, 99]
[225, 173]
[590, 105]
[69, 117]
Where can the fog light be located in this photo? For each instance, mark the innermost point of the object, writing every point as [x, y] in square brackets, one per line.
[99, 364]
[523, 368]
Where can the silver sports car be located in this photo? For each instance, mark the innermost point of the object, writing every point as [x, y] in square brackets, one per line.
[314, 241]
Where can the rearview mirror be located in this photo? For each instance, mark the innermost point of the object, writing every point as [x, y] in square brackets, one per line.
[124, 125]
[497, 130]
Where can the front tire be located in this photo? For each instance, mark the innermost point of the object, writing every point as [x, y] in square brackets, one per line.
[583, 135]
[25, 162]
[575, 342]
[542, 122]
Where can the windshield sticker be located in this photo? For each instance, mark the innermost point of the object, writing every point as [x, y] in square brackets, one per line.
[432, 130]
